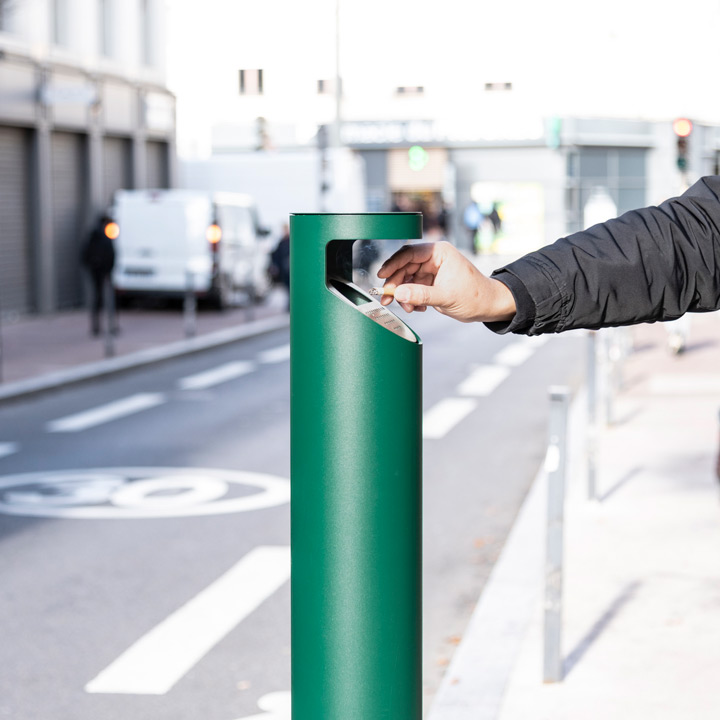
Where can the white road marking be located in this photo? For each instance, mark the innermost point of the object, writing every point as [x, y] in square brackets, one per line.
[137, 492]
[8, 448]
[106, 413]
[440, 419]
[483, 380]
[515, 354]
[277, 706]
[275, 355]
[159, 659]
[220, 374]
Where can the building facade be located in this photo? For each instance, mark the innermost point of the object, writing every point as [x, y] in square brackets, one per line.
[84, 111]
[543, 183]
[526, 104]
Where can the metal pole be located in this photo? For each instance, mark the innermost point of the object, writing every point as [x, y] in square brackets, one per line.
[621, 353]
[2, 358]
[717, 464]
[555, 464]
[337, 124]
[109, 325]
[190, 305]
[592, 415]
[609, 377]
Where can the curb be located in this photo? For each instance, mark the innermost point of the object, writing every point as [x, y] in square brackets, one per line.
[122, 363]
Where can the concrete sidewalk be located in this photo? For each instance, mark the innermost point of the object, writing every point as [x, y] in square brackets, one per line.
[641, 629]
[43, 352]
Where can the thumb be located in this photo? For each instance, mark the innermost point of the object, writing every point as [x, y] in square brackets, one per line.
[417, 295]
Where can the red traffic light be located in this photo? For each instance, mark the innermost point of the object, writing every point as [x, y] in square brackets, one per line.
[682, 127]
[213, 234]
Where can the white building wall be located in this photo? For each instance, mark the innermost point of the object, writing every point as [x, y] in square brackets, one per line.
[621, 58]
[30, 31]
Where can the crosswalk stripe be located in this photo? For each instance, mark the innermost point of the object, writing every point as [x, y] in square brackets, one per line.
[164, 655]
[275, 355]
[439, 420]
[8, 448]
[220, 374]
[515, 354]
[106, 413]
[483, 380]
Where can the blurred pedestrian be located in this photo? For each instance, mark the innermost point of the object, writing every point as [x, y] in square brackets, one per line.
[495, 219]
[280, 262]
[473, 219]
[442, 220]
[98, 257]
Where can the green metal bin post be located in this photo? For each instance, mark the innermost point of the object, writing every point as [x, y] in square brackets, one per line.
[356, 415]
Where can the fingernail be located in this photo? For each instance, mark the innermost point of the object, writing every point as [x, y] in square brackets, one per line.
[402, 294]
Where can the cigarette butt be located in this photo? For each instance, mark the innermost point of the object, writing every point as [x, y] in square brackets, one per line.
[385, 291]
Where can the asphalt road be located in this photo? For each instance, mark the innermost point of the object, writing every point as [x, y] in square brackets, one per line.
[144, 522]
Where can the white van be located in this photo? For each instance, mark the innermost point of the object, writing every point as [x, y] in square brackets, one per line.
[171, 241]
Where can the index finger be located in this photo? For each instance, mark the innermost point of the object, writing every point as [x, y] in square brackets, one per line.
[419, 254]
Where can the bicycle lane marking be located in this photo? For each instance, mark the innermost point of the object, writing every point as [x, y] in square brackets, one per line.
[159, 659]
[8, 448]
[106, 413]
[217, 375]
[440, 419]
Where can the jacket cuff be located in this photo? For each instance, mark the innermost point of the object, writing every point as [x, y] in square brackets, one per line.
[525, 307]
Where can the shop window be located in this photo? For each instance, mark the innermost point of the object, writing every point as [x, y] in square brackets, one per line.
[146, 32]
[6, 15]
[105, 27]
[409, 90]
[251, 82]
[60, 22]
[498, 86]
[327, 87]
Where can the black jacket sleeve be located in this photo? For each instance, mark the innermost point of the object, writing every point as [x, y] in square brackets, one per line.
[652, 264]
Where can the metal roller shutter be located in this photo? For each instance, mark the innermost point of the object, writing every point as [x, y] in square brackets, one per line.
[15, 260]
[117, 161]
[69, 185]
[158, 175]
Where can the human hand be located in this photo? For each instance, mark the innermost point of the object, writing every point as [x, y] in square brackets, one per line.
[438, 275]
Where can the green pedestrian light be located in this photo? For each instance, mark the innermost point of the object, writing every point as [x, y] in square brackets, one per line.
[417, 157]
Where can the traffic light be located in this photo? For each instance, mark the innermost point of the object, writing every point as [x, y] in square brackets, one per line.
[682, 127]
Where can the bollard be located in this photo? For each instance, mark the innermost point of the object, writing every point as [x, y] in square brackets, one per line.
[2, 352]
[356, 420]
[592, 431]
[717, 464]
[190, 305]
[110, 320]
[555, 465]
[609, 376]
